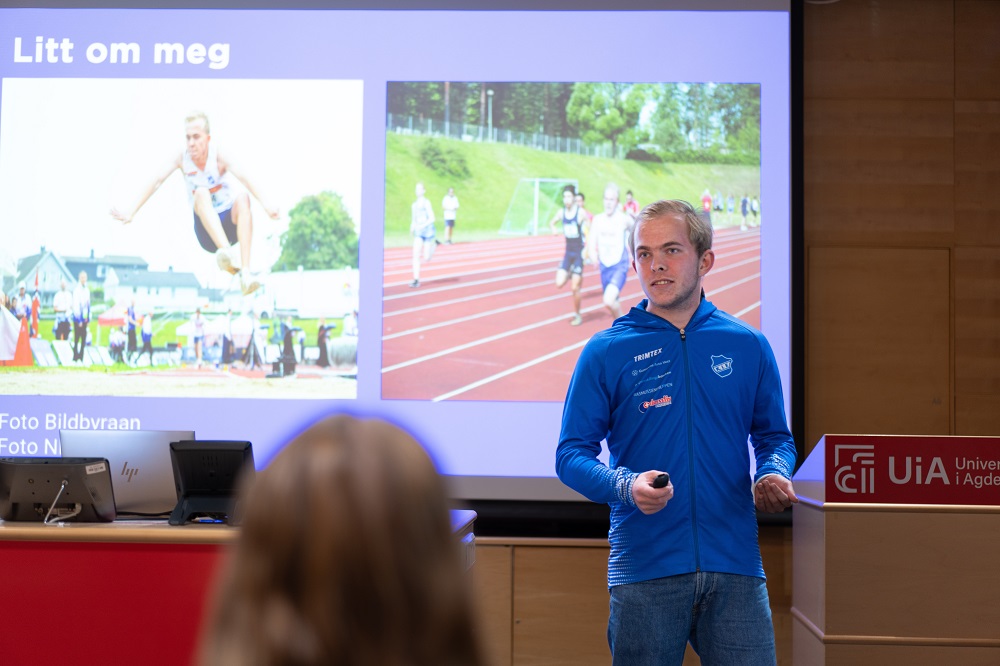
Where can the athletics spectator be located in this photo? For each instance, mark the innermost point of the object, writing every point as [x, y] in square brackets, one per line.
[147, 338]
[607, 245]
[730, 208]
[62, 305]
[422, 229]
[23, 308]
[631, 205]
[350, 324]
[571, 223]
[346, 555]
[116, 344]
[132, 324]
[198, 333]
[227, 338]
[81, 316]
[323, 342]
[449, 208]
[744, 209]
[706, 206]
[755, 209]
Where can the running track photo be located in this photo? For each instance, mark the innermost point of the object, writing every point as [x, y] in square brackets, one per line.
[487, 322]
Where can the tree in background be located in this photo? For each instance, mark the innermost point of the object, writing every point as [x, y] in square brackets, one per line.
[675, 122]
[420, 99]
[321, 235]
[707, 123]
[739, 113]
[607, 112]
[522, 107]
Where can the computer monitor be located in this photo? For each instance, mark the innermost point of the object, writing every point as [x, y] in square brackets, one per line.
[141, 471]
[207, 475]
[56, 489]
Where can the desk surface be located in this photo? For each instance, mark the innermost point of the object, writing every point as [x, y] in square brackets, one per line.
[154, 531]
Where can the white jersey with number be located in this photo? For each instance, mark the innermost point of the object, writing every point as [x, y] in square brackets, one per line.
[609, 233]
[210, 178]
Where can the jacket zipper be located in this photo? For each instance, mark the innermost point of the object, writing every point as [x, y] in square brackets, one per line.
[690, 445]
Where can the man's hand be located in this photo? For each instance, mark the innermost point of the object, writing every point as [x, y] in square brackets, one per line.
[650, 499]
[120, 216]
[773, 494]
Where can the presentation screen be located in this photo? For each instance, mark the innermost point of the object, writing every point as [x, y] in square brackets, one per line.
[237, 221]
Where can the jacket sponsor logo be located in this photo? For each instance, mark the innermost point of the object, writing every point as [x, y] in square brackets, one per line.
[649, 354]
[639, 371]
[722, 365]
[652, 390]
[655, 402]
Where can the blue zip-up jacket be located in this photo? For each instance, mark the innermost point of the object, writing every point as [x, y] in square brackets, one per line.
[682, 401]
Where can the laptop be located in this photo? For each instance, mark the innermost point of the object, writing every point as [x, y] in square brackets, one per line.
[142, 475]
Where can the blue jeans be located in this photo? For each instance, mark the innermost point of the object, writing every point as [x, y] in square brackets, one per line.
[726, 617]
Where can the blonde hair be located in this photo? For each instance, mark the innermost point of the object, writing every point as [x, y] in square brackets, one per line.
[346, 556]
[199, 115]
[699, 229]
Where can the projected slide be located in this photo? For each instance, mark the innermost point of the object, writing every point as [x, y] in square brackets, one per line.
[485, 307]
[279, 214]
[101, 178]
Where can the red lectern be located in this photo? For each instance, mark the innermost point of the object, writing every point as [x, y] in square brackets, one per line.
[896, 551]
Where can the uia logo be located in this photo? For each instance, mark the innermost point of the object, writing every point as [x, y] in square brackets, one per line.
[855, 468]
[722, 365]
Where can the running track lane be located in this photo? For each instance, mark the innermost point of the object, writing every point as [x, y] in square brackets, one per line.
[487, 322]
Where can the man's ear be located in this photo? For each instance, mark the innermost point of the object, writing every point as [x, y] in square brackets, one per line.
[707, 262]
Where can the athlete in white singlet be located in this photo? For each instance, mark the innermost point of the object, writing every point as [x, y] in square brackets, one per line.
[606, 244]
[221, 218]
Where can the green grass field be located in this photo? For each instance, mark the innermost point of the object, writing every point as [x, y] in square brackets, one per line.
[165, 329]
[496, 168]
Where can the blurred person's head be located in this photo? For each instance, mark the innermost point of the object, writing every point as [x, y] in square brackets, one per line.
[568, 195]
[346, 556]
[611, 198]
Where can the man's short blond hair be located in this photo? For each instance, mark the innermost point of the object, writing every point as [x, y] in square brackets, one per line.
[198, 115]
[699, 229]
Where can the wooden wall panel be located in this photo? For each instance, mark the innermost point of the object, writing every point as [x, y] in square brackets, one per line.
[879, 171]
[977, 49]
[977, 340]
[879, 49]
[776, 553]
[493, 576]
[561, 606]
[977, 171]
[977, 414]
[907, 556]
[878, 351]
[977, 320]
[560, 598]
[894, 655]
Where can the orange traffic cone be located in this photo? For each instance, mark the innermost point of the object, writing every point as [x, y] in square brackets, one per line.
[22, 354]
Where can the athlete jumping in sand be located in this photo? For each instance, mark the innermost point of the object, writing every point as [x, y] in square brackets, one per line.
[221, 217]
